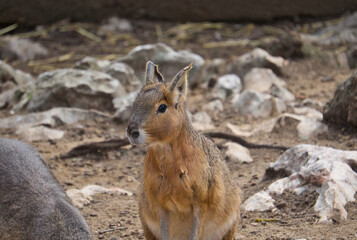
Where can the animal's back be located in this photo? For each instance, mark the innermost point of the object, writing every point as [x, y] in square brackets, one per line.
[32, 203]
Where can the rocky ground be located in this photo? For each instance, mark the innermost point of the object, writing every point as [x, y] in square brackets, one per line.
[310, 69]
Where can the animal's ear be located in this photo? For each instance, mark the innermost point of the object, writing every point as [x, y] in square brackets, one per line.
[179, 83]
[152, 74]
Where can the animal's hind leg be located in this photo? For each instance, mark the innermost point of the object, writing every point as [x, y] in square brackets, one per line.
[231, 232]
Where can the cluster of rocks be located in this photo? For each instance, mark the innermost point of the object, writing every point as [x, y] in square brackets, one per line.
[329, 172]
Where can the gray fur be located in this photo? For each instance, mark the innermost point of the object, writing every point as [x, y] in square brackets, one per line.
[33, 206]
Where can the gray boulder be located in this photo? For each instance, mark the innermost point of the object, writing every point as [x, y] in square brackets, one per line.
[253, 103]
[168, 60]
[257, 58]
[52, 117]
[75, 88]
[120, 71]
[342, 108]
[264, 80]
[11, 81]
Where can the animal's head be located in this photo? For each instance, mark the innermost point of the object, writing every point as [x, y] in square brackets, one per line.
[158, 114]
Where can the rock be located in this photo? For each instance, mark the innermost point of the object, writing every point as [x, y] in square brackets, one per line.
[342, 108]
[253, 103]
[117, 70]
[258, 58]
[202, 121]
[260, 201]
[9, 74]
[12, 82]
[123, 106]
[303, 127]
[343, 33]
[237, 153]
[6, 97]
[228, 85]
[125, 75]
[92, 63]
[82, 197]
[279, 106]
[116, 25]
[168, 60]
[248, 130]
[264, 80]
[309, 127]
[53, 117]
[22, 49]
[214, 106]
[324, 170]
[75, 88]
[308, 112]
[40, 133]
[288, 45]
[211, 70]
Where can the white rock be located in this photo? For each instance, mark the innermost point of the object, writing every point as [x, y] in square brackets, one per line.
[309, 112]
[212, 69]
[39, 133]
[327, 171]
[52, 117]
[264, 80]
[8, 73]
[214, 106]
[257, 58]
[83, 196]
[310, 127]
[261, 80]
[75, 88]
[260, 201]
[115, 24]
[202, 121]
[23, 49]
[124, 105]
[237, 153]
[124, 74]
[253, 103]
[92, 64]
[227, 85]
[168, 60]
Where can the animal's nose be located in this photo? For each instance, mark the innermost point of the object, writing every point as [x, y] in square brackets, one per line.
[133, 130]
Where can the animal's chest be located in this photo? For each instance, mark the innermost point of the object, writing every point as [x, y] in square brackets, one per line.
[171, 183]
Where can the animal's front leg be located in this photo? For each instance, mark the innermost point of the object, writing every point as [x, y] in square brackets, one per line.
[197, 221]
[164, 223]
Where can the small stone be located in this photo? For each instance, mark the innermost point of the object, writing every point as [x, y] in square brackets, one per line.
[228, 85]
[237, 153]
[253, 103]
[202, 121]
[214, 106]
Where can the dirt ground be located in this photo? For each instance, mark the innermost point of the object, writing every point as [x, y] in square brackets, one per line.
[305, 77]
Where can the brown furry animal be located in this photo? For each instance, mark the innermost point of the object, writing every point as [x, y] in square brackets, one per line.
[187, 190]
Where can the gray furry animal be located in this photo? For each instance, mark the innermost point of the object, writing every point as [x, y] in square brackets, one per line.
[33, 205]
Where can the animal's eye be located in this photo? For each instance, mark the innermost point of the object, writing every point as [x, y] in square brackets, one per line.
[162, 108]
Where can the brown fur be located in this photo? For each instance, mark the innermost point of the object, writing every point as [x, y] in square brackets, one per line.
[187, 191]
